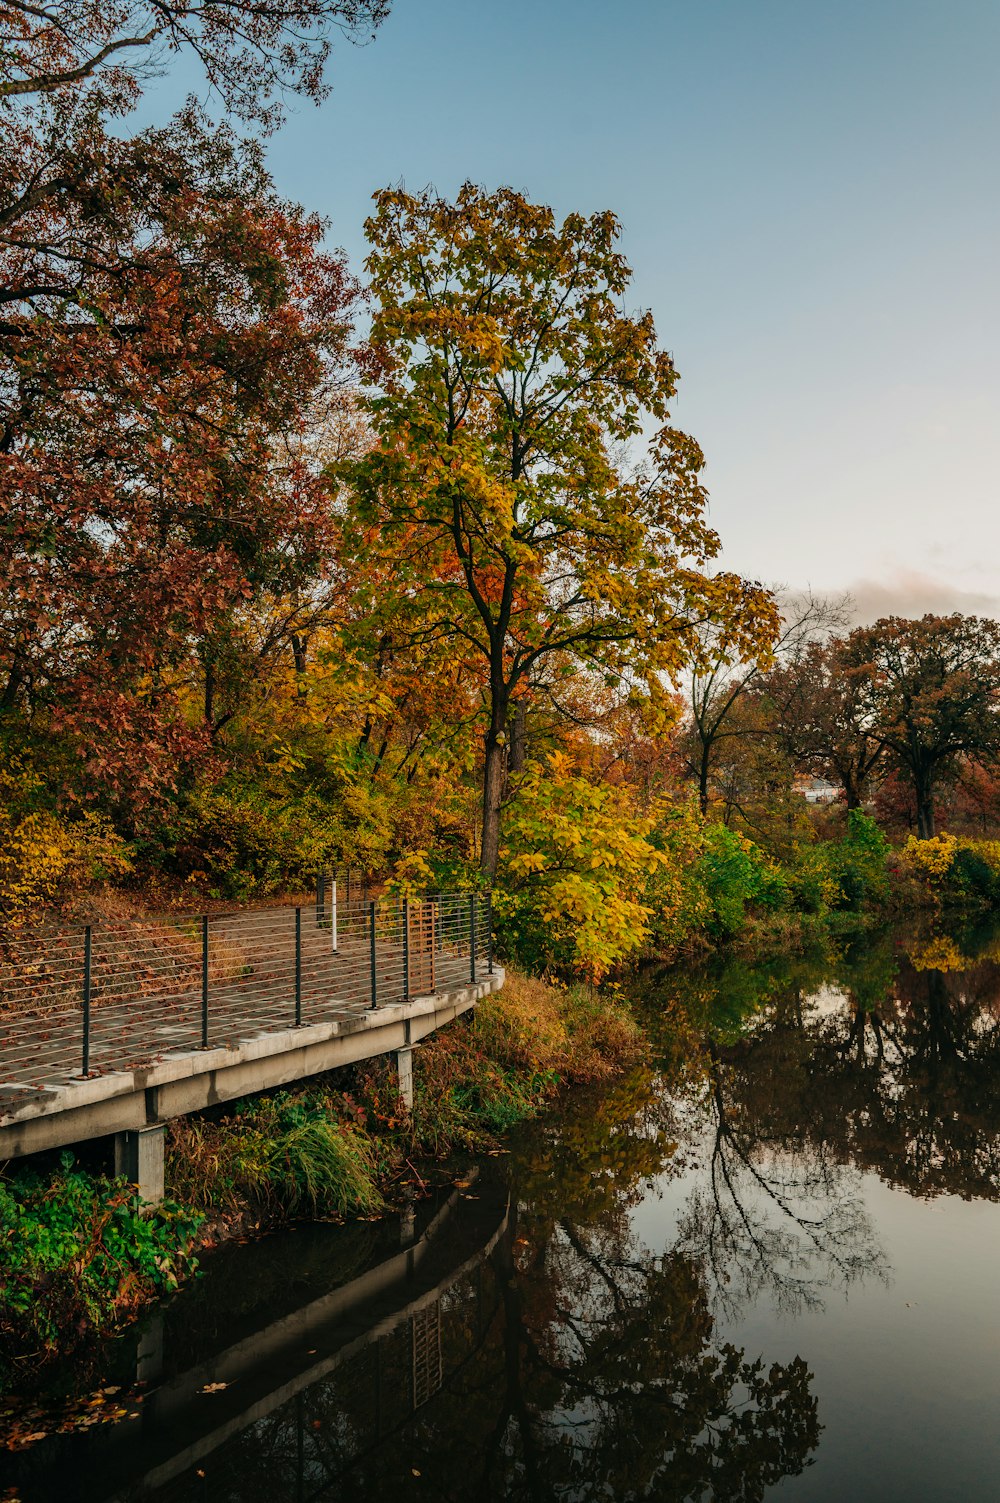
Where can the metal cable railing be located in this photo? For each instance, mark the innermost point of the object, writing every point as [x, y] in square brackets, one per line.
[87, 999]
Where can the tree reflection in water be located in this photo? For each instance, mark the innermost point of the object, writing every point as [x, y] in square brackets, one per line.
[882, 1060]
[574, 1363]
[774, 1215]
[578, 1362]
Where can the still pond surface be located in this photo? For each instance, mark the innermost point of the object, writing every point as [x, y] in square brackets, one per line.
[767, 1268]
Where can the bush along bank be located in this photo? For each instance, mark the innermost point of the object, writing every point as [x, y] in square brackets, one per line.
[339, 1146]
[78, 1260]
[950, 872]
[676, 883]
[587, 895]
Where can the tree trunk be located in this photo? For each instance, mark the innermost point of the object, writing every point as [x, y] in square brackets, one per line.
[209, 689]
[494, 776]
[924, 790]
[706, 753]
[13, 684]
[518, 737]
[299, 658]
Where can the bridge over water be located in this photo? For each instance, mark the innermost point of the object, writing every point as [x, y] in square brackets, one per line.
[117, 1027]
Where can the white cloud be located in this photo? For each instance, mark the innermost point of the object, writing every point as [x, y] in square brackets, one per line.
[907, 592]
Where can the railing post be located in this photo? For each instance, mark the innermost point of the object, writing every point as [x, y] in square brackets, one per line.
[489, 933]
[320, 898]
[472, 938]
[298, 967]
[374, 977]
[204, 981]
[406, 950]
[86, 1000]
[333, 914]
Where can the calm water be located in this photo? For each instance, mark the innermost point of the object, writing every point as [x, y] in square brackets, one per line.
[766, 1269]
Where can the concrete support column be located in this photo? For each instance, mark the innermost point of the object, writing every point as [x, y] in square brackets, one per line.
[403, 1060]
[149, 1353]
[139, 1157]
[408, 1222]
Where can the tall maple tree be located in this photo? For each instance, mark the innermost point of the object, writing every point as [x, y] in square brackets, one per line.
[519, 530]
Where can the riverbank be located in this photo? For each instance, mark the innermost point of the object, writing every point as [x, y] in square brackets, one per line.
[733, 898]
[79, 1261]
[726, 1236]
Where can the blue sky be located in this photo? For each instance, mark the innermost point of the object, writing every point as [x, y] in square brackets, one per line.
[808, 195]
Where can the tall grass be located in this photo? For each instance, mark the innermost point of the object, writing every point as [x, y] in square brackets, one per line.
[326, 1148]
[284, 1155]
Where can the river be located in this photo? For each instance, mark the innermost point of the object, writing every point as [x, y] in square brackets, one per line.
[765, 1267]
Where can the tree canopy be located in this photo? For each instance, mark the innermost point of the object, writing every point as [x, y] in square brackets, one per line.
[930, 690]
[520, 530]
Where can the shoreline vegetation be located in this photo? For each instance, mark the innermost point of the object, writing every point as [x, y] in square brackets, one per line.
[80, 1261]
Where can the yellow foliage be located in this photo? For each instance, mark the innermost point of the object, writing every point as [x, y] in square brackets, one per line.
[933, 859]
[43, 854]
[577, 861]
[939, 954]
[411, 876]
[930, 858]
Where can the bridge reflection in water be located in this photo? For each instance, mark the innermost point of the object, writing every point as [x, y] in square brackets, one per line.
[282, 1410]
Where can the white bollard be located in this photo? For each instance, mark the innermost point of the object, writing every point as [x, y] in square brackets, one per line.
[334, 916]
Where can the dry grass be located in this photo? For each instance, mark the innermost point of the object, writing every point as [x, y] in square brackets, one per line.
[578, 1032]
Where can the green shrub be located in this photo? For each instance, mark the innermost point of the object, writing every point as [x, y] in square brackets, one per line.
[973, 878]
[735, 874]
[79, 1258]
[858, 862]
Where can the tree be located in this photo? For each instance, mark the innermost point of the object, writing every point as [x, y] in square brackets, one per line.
[251, 50]
[720, 679]
[166, 320]
[929, 693]
[820, 707]
[518, 533]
